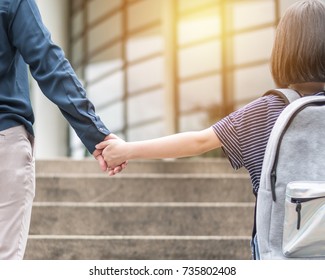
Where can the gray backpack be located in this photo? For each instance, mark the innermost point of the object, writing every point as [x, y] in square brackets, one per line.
[290, 209]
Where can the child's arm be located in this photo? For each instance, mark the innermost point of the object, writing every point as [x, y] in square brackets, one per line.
[174, 146]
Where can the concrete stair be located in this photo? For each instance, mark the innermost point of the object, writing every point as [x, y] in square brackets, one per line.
[164, 209]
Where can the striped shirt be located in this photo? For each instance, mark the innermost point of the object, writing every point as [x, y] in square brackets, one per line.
[245, 132]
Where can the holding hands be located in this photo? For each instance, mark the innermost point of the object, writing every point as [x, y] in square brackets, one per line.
[114, 152]
[107, 160]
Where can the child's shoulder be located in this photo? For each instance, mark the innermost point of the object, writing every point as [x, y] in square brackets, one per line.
[266, 102]
[261, 108]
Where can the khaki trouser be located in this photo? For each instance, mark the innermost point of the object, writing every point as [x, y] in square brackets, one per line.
[17, 191]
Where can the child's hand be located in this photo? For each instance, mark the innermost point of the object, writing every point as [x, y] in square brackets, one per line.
[114, 153]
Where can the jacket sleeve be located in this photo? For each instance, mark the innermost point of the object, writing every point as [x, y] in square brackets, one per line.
[53, 72]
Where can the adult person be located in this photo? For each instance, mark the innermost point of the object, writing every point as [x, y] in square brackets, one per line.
[26, 41]
[297, 62]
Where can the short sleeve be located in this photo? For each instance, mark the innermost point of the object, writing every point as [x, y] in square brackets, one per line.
[245, 132]
[227, 131]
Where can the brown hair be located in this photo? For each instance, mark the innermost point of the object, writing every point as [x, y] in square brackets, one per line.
[298, 54]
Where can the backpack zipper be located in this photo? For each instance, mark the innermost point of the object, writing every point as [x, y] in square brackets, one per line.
[273, 170]
[298, 202]
[298, 210]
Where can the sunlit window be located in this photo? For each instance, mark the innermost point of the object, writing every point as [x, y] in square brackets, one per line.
[153, 67]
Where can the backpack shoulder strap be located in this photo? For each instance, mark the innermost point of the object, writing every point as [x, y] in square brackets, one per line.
[288, 95]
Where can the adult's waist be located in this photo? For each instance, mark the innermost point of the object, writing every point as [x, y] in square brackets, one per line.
[11, 120]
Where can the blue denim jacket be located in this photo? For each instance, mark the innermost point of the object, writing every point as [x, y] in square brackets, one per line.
[24, 40]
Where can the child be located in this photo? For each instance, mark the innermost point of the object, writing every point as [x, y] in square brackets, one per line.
[297, 62]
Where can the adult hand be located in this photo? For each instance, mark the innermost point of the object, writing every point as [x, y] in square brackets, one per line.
[102, 163]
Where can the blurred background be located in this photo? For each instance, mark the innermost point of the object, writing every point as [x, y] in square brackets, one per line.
[156, 67]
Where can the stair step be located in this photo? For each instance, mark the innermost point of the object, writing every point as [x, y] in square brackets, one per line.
[138, 247]
[192, 165]
[142, 218]
[162, 209]
[144, 188]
